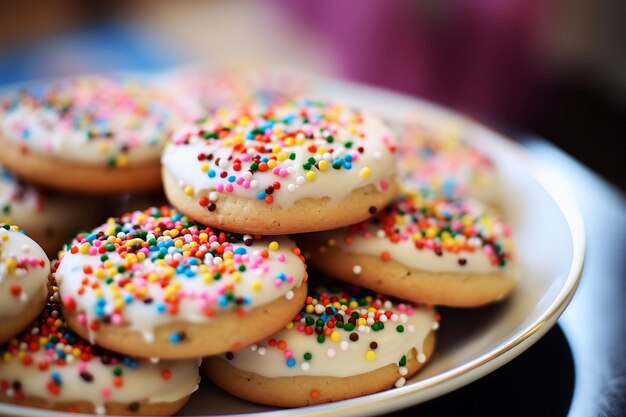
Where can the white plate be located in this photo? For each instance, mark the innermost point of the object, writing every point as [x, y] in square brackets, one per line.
[471, 342]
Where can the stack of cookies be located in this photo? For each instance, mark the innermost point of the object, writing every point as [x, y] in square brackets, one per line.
[256, 190]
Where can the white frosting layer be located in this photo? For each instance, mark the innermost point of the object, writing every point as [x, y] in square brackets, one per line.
[335, 184]
[96, 120]
[145, 382]
[145, 318]
[342, 358]
[22, 263]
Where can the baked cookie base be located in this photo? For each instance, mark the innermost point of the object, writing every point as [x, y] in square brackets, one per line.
[52, 172]
[245, 215]
[227, 331]
[453, 289]
[13, 325]
[296, 391]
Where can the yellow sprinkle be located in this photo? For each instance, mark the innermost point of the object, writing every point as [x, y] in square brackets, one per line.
[273, 245]
[361, 321]
[432, 231]
[310, 176]
[272, 163]
[281, 156]
[99, 273]
[204, 167]
[207, 278]
[141, 256]
[121, 161]
[289, 325]
[236, 277]
[11, 265]
[289, 141]
[334, 336]
[103, 146]
[84, 248]
[321, 150]
[354, 304]
[310, 308]
[365, 173]
[257, 285]
[370, 355]
[152, 277]
[299, 140]
[276, 149]
[188, 190]
[323, 165]
[331, 242]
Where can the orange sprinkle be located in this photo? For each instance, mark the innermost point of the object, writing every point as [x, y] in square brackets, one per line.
[385, 256]
[315, 393]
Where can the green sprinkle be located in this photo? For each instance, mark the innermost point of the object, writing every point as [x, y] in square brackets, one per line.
[402, 361]
[307, 356]
[400, 328]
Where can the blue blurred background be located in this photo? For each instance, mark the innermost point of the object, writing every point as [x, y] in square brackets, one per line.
[555, 68]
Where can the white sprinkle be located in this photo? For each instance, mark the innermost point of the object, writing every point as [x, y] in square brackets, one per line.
[356, 269]
[254, 184]
[10, 392]
[300, 180]
[100, 410]
[331, 353]
[377, 155]
[261, 351]
[380, 234]
[319, 309]
[148, 337]
[383, 318]
[23, 297]
[253, 347]
[421, 358]
[410, 328]
[403, 370]
[247, 175]
[370, 320]
[213, 196]
[291, 187]
[436, 325]
[289, 295]
[343, 345]
[25, 248]
[400, 382]
[404, 318]
[155, 360]
[217, 260]
[362, 328]
[305, 366]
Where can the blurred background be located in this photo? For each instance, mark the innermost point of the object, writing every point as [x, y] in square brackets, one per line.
[554, 69]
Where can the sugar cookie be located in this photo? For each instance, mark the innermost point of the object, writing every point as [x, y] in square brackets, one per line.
[431, 250]
[153, 283]
[48, 366]
[24, 272]
[343, 344]
[298, 167]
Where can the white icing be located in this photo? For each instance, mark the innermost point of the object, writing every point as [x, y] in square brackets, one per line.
[182, 163]
[145, 318]
[137, 114]
[338, 359]
[141, 383]
[32, 279]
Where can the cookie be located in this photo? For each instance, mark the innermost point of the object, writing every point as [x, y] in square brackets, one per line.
[344, 343]
[425, 249]
[442, 161]
[89, 134]
[153, 283]
[49, 366]
[24, 272]
[49, 218]
[213, 88]
[299, 167]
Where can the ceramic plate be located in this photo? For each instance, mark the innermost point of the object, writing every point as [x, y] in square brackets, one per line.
[471, 342]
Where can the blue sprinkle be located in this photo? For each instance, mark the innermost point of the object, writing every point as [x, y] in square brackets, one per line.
[261, 195]
[56, 377]
[291, 362]
[90, 237]
[347, 165]
[348, 158]
[232, 178]
[175, 338]
[281, 276]
[247, 300]
[190, 274]
[177, 217]
[128, 299]
[240, 251]
[211, 173]
[222, 301]
[180, 269]
[160, 307]
[264, 159]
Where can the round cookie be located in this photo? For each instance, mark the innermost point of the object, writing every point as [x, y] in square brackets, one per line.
[49, 218]
[425, 249]
[153, 283]
[48, 366]
[299, 167]
[344, 343]
[441, 161]
[90, 134]
[24, 272]
[213, 88]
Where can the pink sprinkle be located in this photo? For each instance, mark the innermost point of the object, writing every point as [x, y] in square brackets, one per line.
[384, 184]
[237, 258]
[300, 327]
[82, 319]
[278, 283]
[239, 180]
[280, 257]
[488, 249]
[288, 354]
[246, 184]
[116, 319]
[82, 366]
[106, 393]
[283, 172]
[219, 188]
[289, 278]
[229, 188]
[276, 171]
[402, 307]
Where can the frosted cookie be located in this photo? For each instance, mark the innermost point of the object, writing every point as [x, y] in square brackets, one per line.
[24, 272]
[90, 134]
[343, 344]
[49, 366]
[213, 88]
[153, 283]
[430, 250]
[442, 161]
[299, 167]
[49, 218]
